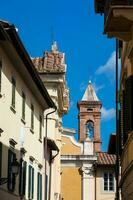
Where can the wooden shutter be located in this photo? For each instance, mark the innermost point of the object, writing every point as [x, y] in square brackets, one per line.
[32, 183]
[38, 186]
[29, 182]
[129, 104]
[0, 159]
[11, 176]
[24, 176]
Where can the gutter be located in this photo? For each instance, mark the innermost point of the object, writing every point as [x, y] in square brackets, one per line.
[45, 148]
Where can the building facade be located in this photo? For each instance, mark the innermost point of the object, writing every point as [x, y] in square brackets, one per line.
[118, 23]
[87, 172]
[23, 100]
[52, 70]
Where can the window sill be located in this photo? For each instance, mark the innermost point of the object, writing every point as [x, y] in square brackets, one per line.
[13, 109]
[40, 140]
[23, 121]
[31, 130]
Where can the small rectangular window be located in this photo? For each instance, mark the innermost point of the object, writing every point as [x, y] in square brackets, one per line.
[40, 128]
[23, 105]
[108, 181]
[32, 117]
[31, 183]
[13, 92]
[0, 73]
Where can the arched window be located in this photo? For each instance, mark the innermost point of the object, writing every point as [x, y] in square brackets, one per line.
[90, 129]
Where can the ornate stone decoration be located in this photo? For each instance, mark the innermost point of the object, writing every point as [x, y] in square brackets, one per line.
[86, 170]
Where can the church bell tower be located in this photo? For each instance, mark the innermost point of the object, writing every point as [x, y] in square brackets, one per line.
[89, 118]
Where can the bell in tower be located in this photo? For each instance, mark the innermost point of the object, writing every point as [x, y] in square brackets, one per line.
[89, 117]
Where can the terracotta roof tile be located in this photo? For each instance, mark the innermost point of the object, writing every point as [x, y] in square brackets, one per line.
[106, 159]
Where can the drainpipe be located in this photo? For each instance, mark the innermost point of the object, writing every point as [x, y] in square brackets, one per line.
[46, 145]
[117, 133]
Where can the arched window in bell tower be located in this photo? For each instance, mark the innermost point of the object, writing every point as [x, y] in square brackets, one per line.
[90, 129]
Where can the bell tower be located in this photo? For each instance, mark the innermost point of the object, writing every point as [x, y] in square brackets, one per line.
[89, 117]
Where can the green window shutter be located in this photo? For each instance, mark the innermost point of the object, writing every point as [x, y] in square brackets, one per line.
[11, 177]
[13, 91]
[24, 176]
[32, 183]
[32, 117]
[29, 182]
[0, 159]
[40, 187]
[23, 105]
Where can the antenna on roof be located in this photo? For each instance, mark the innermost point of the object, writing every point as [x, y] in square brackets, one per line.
[52, 34]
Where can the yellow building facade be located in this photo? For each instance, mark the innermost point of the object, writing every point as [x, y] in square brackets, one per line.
[86, 171]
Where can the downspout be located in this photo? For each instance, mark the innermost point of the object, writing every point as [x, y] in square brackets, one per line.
[117, 133]
[46, 145]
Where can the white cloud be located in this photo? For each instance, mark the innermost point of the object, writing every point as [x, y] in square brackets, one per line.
[107, 114]
[109, 65]
[98, 87]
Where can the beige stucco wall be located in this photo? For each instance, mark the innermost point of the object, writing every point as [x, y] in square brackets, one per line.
[68, 147]
[70, 183]
[100, 193]
[12, 126]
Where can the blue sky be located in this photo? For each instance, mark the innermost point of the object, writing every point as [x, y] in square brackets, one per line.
[78, 32]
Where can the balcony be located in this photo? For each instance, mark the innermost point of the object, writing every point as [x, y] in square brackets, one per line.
[118, 17]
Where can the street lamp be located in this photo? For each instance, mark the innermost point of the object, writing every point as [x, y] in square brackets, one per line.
[14, 170]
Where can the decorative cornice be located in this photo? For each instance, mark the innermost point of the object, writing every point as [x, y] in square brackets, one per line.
[12, 142]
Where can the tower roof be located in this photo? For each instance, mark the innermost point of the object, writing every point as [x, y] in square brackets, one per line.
[90, 94]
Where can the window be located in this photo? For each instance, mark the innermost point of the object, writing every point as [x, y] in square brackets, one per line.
[13, 92]
[90, 129]
[22, 178]
[11, 176]
[108, 181]
[0, 159]
[39, 186]
[32, 117]
[23, 105]
[31, 182]
[40, 128]
[0, 73]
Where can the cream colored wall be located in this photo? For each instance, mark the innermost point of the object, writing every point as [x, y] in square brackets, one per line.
[100, 193]
[70, 183]
[11, 122]
[68, 147]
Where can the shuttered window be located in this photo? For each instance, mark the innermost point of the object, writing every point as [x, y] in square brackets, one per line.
[128, 107]
[32, 117]
[39, 186]
[40, 128]
[31, 182]
[22, 178]
[0, 159]
[11, 176]
[23, 105]
[13, 92]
